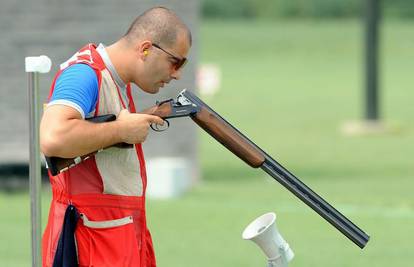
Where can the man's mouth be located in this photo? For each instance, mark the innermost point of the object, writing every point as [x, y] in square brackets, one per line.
[164, 82]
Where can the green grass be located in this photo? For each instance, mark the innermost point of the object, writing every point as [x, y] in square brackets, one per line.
[289, 86]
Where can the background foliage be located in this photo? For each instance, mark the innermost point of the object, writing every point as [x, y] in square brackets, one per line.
[300, 8]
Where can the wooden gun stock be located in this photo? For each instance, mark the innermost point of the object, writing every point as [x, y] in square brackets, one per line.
[57, 164]
[165, 109]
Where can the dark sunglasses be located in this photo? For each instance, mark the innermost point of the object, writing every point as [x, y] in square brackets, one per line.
[179, 62]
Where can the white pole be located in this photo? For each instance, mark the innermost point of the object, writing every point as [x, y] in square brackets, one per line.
[34, 66]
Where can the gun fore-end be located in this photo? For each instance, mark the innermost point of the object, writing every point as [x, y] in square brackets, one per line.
[228, 137]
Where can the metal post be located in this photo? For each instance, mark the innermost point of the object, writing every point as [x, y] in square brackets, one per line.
[34, 66]
[371, 62]
[34, 168]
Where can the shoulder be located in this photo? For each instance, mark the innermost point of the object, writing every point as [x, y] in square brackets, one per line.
[77, 76]
[77, 87]
[77, 71]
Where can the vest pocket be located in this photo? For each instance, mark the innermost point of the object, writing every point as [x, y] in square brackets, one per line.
[107, 243]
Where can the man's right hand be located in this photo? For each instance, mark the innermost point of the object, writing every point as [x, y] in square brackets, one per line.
[133, 127]
[63, 132]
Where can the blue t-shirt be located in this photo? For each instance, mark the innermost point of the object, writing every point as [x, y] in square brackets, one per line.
[77, 87]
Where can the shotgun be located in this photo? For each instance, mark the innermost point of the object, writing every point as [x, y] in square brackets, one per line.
[254, 156]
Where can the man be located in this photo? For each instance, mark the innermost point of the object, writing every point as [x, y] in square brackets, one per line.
[104, 196]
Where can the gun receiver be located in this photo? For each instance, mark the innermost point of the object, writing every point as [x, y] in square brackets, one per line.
[249, 152]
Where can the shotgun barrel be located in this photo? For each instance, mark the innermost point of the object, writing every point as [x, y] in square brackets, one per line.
[249, 152]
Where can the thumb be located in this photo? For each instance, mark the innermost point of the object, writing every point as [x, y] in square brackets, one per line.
[123, 112]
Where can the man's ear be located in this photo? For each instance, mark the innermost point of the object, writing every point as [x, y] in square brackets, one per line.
[144, 49]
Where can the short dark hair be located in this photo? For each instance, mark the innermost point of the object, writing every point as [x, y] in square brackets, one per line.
[160, 24]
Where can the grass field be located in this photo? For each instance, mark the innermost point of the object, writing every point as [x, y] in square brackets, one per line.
[289, 86]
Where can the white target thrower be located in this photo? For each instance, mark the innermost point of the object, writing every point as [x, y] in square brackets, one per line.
[264, 233]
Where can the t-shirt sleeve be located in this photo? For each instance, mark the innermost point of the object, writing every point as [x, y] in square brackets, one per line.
[77, 87]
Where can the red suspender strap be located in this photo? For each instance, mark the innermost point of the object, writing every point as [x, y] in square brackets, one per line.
[138, 146]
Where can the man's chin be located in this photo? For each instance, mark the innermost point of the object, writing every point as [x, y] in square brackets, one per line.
[152, 90]
[155, 90]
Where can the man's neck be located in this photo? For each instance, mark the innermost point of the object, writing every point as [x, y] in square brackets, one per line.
[118, 53]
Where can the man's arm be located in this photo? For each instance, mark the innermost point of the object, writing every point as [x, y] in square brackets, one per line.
[63, 132]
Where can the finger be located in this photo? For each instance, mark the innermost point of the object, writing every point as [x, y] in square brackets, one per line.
[155, 119]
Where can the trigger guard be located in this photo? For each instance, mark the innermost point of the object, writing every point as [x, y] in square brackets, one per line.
[155, 127]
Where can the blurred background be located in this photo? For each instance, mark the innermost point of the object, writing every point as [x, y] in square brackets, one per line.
[289, 74]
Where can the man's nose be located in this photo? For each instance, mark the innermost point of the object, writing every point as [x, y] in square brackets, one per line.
[176, 74]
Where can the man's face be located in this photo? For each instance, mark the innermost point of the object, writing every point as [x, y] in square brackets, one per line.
[160, 65]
